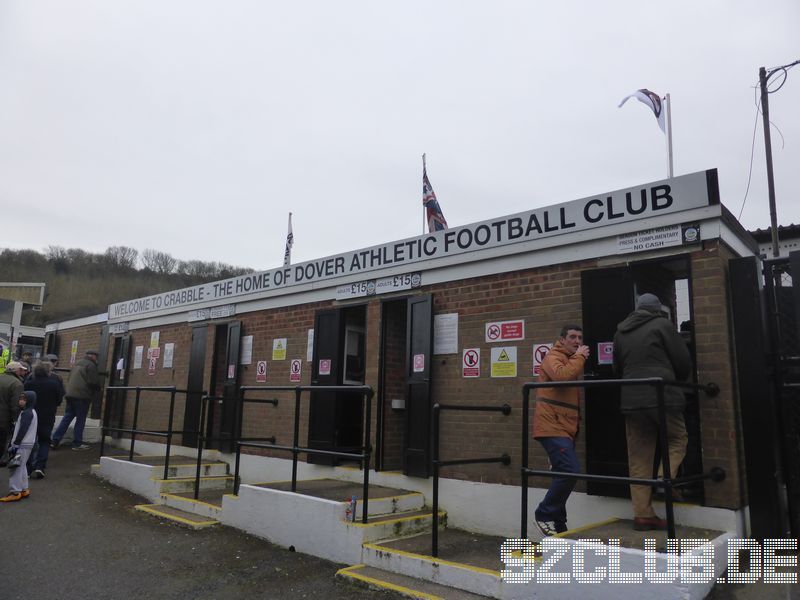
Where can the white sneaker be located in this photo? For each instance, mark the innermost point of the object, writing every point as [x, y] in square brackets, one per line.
[548, 528]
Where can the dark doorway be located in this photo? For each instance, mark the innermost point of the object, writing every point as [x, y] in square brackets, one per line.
[120, 368]
[224, 378]
[102, 364]
[197, 364]
[607, 296]
[335, 420]
[419, 350]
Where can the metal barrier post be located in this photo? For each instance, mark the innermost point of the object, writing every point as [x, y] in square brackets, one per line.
[296, 442]
[367, 398]
[201, 440]
[435, 515]
[169, 431]
[135, 422]
[526, 395]
[667, 475]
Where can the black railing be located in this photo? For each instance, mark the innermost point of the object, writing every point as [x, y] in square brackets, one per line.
[362, 455]
[666, 482]
[438, 464]
[133, 431]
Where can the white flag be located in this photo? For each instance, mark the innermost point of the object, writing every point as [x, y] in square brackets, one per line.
[287, 256]
[652, 100]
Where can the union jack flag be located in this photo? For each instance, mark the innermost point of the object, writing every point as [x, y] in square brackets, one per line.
[436, 220]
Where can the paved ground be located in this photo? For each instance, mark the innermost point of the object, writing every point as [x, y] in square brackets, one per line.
[79, 537]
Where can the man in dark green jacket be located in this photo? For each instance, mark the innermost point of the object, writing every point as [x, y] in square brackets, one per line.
[648, 345]
[11, 388]
[83, 382]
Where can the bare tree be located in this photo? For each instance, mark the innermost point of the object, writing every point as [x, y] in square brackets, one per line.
[122, 256]
[158, 262]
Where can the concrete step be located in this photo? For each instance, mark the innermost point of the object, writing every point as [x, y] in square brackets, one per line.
[183, 470]
[408, 587]
[398, 524]
[186, 484]
[190, 505]
[177, 516]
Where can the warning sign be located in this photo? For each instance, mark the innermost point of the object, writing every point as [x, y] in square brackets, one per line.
[151, 365]
[504, 331]
[279, 349]
[295, 370]
[325, 366]
[419, 363]
[539, 352]
[605, 353]
[261, 371]
[504, 361]
[471, 362]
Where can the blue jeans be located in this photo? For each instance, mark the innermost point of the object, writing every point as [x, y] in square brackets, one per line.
[561, 451]
[77, 408]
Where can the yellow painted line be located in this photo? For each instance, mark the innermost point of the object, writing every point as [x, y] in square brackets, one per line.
[384, 498]
[586, 527]
[431, 559]
[397, 520]
[184, 479]
[351, 572]
[191, 500]
[148, 509]
[233, 496]
[289, 481]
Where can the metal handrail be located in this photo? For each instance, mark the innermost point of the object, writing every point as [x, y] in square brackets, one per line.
[666, 481]
[505, 458]
[133, 431]
[363, 457]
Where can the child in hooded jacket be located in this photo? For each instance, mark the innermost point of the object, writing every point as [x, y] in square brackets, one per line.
[22, 442]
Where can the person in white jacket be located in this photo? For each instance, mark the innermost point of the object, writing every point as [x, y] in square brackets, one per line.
[22, 441]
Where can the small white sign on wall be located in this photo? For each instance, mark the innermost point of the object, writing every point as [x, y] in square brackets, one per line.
[246, 356]
[445, 334]
[138, 354]
[169, 353]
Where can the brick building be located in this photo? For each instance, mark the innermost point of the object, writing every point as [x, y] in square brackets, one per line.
[456, 317]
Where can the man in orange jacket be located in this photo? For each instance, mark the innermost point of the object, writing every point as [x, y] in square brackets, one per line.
[555, 424]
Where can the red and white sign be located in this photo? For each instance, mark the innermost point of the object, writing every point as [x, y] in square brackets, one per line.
[295, 370]
[419, 363]
[231, 371]
[151, 365]
[261, 371]
[325, 366]
[605, 353]
[504, 331]
[539, 352]
[471, 362]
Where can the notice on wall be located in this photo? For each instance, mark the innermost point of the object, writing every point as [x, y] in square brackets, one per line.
[658, 237]
[310, 346]
[73, 352]
[296, 370]
[419, 363]
[504, 331]
[504, 361]
[384, 285]
[539, 352]
[445, 334]
[246, 355]
[605, 353]
[471, 362]
[279, 349]
[169, 353]
[151, 365]
[154, 339]
[138, 354]
[261, 371]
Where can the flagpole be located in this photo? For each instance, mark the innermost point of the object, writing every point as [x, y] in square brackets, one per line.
[424, 210]
[668, 102]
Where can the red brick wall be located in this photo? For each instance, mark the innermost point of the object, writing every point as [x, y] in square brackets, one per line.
[394, 385]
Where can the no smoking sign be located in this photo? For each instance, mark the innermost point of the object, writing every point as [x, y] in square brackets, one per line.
[261, 371]
[295, 371]
[471, 362]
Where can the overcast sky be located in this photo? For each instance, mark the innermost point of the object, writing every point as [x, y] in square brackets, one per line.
[194, 127]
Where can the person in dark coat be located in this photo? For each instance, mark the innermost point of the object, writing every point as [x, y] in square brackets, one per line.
[648, 345]
[83, 382]
[11, 389]
[49, 393]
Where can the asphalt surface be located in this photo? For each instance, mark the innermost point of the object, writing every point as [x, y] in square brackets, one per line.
[77, 536]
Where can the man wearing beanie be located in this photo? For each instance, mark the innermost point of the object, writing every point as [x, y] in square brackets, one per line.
[648, 345]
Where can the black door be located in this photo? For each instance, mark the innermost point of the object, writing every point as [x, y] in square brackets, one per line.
[230, 389]
[50, 342]
[419, 347]
[197, 362]
[115, 410]
[102, 365]
[607, 297]
[325, 370]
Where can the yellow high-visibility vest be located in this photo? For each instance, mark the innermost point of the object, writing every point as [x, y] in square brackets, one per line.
[5, 358]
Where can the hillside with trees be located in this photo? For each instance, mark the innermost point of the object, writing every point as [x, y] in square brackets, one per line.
[81, 283]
